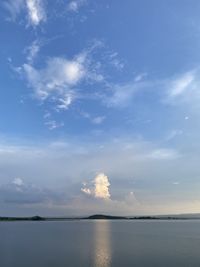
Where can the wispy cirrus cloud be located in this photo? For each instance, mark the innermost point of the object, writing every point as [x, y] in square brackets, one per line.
[180, 85]
[32, 51]
[35, 10]
[75, 5]
[175, 90]
[60, 78]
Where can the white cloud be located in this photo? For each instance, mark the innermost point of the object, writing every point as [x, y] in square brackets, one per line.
[52, 124]
[163, 154]
[183, 90]
[102, 184]
[98, 120]
[58, 77]
[100, 189]
[93, 119]
[176, 183]
[180, 90]
[75, 5]
[173, 134]
[115, 61]
[36, 11]
[59, 80]
[14, 7]
[131, 199]
[86, 191]
[121, 95]
[182, 84]
[32, 51]
[65, 101]
[140, 77]
[18, 182]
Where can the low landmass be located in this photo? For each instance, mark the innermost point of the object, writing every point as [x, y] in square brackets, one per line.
[105, 217]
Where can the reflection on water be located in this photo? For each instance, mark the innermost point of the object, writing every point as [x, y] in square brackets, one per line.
[102, 244]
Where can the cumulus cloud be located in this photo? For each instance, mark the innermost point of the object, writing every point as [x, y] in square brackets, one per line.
[35, 10]
[100, 188]
[102, 184]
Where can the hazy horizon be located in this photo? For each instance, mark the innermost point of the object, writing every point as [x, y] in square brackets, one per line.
[99, 107]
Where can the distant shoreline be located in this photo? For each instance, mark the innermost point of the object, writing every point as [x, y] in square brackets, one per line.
[101, 217]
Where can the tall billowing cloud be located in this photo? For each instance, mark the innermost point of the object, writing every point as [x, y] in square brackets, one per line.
[100, 188]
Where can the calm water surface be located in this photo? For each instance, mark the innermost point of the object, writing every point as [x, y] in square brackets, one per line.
[100, 244]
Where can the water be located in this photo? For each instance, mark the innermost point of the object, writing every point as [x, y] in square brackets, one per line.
[100, 244]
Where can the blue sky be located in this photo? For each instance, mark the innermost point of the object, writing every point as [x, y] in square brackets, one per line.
[99, 107]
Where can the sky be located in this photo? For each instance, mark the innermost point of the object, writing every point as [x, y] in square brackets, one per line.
[99, 107]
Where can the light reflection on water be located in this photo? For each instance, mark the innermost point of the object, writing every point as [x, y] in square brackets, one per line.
[102, 244]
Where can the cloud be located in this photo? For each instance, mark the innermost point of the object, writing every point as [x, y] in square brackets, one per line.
[75, 5]
[54, 171]
[180, 85]
[123, 95]
[95, 120]
[102, 184]
[18, 192]
[52, 124]
[100, 189]
[176, 183]
[32, 51]
[98, 120]
[115, 61]
[60, 78]
[140, 77]
[131, 199]
[183, 90]
[173, 134]
[18, 182]
[163, 154]
[35, 10]
[14, 7]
